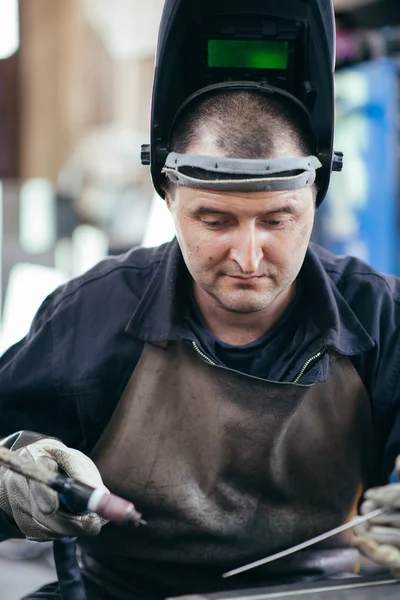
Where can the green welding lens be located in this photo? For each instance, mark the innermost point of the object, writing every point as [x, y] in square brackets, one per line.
[241, 54]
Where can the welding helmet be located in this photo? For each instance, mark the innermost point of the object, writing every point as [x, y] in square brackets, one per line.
[282, 48]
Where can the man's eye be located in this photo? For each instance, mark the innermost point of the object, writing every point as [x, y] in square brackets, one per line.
[215, 223]
[273, 223]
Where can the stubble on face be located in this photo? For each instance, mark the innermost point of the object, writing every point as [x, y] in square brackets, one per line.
[210, 254]
[236, 296]
[209, 258]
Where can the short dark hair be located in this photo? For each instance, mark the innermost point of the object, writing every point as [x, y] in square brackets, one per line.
[244, 124]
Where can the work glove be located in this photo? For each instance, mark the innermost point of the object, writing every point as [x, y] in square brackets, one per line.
[34, 507]
[379, 538]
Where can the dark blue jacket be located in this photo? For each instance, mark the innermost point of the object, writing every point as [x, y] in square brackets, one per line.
[66, 376]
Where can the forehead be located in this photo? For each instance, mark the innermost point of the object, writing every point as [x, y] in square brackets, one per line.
[242, 203]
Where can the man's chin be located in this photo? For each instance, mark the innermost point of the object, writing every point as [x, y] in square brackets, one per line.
[244, 310]
[243, 305]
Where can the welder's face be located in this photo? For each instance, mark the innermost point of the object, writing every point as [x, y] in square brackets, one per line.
[244, 249]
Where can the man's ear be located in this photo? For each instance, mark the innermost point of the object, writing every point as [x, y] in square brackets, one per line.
[168, 197]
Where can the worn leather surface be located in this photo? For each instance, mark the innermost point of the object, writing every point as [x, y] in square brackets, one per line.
[227, 468]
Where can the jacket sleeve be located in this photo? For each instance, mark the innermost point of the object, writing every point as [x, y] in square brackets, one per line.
[392, 450]
[386, 375]
[29, 396]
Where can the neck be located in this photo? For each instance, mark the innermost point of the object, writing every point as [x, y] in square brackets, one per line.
[239, 329]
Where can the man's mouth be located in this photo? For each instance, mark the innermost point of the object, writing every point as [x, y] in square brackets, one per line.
[246, 278]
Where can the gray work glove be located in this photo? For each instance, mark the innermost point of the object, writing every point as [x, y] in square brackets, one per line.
[35, 507]
[379, 538]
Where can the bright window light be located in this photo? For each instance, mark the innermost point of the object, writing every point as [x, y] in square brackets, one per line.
[28, 286]
[9, 28]
[160, 226]
[89, 246]
[37, 220]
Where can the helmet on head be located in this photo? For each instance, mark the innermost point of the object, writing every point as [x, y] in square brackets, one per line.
[276, 47]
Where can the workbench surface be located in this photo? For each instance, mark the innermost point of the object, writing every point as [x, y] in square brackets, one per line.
[358, 588]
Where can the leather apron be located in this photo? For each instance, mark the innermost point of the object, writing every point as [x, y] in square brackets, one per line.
[226, 468]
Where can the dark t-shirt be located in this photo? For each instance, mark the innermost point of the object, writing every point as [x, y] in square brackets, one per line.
[257, 358]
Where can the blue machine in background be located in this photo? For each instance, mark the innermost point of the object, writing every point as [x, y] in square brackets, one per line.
[360, 215]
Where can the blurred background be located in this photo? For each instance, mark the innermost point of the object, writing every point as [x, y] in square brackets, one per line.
[75, 87]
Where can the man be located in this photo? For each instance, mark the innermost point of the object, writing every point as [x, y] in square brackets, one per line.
[239, 384]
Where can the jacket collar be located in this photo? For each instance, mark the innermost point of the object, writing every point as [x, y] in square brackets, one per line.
[329, 312]
[159, 315]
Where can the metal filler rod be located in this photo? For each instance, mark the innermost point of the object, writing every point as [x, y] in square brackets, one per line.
[307, 543]
[75, 496]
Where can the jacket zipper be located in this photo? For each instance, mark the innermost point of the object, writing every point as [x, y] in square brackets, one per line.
[203, 356]
[306, 365]
[299, 376]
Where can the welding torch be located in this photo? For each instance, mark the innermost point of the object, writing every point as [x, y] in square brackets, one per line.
[75, 497]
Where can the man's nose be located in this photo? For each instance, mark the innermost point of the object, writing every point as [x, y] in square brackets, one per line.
[247, 250]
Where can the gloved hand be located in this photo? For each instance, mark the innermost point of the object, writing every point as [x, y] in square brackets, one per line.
[35, 507]
[379, 538]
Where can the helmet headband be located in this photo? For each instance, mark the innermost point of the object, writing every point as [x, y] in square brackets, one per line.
[236, 174]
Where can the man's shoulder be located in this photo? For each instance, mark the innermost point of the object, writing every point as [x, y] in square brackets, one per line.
[353, 276]
[126, 274]
[88, 316]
